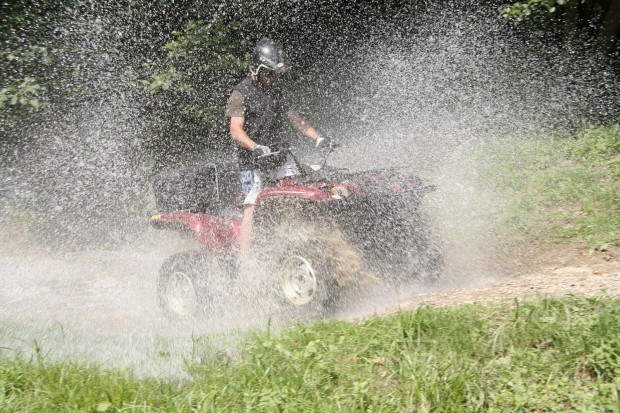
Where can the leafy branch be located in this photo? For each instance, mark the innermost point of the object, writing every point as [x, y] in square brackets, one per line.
[522, 9]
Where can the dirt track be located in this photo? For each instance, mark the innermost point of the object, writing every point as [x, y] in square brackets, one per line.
[581, 280]
[544, 271]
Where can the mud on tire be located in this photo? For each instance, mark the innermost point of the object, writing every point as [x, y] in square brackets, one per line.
[307, 260]
[424, 261]
[395, 238]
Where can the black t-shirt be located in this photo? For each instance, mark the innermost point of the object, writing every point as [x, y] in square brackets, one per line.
[264, 112]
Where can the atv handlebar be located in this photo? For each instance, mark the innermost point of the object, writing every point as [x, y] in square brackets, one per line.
[331, 146]
[280, 150]
[285, 148]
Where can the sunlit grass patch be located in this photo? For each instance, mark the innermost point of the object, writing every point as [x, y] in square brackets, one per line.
[559, 189]
[546, 355]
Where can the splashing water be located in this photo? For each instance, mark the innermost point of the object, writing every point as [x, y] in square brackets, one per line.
[419, 95]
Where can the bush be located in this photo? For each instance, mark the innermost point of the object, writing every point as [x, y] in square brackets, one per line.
[599, 146]
[559, 190]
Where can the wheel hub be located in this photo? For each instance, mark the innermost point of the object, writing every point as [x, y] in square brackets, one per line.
[181, 294]
[298, 280]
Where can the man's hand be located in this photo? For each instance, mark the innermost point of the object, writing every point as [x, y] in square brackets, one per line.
[260, 150]
[325, 143]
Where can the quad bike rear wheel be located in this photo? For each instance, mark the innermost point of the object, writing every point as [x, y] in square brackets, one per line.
[182, 286]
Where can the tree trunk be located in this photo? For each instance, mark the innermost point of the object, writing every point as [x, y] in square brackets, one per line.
[610, 28]
[571, 23]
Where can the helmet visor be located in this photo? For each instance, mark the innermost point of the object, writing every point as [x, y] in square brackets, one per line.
[274, 60]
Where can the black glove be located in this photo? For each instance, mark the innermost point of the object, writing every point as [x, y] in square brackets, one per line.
[325, 143]
[260, 150]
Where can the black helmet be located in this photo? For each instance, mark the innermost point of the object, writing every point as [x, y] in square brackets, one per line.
[267, 55]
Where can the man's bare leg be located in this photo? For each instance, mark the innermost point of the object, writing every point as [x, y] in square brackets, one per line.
[245, 238]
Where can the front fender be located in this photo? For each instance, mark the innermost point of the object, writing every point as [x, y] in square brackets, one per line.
[293, 191]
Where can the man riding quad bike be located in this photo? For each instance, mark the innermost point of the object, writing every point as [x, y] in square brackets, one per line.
[319, 233]
[256, 111]
[310, 232]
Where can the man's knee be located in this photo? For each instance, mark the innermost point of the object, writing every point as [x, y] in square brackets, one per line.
[248, 212]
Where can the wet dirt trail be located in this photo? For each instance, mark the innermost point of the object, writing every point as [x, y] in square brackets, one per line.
[103, 304]
[536, 271]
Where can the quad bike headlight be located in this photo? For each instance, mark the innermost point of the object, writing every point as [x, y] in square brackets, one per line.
[339, 192]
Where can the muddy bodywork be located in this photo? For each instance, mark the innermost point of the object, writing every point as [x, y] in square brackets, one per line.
[316, 232]
[363, 200]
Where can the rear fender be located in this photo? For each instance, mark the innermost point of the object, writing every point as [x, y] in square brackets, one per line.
[219, 234]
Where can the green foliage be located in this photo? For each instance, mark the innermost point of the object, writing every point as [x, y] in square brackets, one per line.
[578, 22]
[548, 355]
[559, 190]
[25, 95]
[600, 147]
[22, 95]
[202, 51]
[522, 9]
[203, 62]
[603, 360]
[37, 386]
[31, 55]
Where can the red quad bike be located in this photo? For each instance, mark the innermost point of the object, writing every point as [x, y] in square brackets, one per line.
[318, 231]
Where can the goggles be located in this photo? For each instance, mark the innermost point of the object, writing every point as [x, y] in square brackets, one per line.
[268, 72]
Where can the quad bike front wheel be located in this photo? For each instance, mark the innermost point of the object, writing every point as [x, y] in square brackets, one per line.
[309, 264]
[182, 287]
[298, 280]
[305, 280]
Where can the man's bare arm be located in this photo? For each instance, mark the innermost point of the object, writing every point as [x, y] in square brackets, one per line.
[302, 125]
[239, 134]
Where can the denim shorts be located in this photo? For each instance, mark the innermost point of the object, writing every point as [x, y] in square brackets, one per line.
[251, 185]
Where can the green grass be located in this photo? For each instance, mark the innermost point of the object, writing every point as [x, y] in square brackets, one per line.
[559, 189]
[547, 355]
